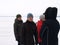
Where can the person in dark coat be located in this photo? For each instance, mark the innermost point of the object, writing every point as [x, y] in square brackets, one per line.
[59, 26]
[50, 28]
[18, 29]
[29, 31]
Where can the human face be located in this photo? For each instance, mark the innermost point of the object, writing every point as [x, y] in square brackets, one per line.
[30, 19]
[19, 18]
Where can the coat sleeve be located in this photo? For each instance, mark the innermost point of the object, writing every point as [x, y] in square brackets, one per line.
[15, 31]
[36, 34]
[23, 34]
[43, 29]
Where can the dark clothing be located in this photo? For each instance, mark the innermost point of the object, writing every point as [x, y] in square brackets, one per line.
[39, 43]
[29, 32]
[59, 26]
[49, 30]
[18, 30]
[19, 43]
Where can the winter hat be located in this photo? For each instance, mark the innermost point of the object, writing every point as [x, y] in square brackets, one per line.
[18, 15]
[30, 15]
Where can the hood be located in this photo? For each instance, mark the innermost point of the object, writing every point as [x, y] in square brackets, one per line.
[51, 13]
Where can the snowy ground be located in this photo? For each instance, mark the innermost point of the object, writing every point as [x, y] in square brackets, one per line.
[6, 31]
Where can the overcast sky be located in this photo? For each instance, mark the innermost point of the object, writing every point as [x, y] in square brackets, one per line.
[23, 7]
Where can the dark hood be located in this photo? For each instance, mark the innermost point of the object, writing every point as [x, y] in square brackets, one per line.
[17, 21]
[51, 13]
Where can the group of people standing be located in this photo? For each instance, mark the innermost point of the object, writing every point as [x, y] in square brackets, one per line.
[44, 32]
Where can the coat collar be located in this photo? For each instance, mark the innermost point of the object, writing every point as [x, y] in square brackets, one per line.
[29, 21]
[17, 21]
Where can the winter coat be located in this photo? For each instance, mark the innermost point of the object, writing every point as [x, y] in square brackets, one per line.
[59, 26]
[50, 29]
[18, 30]
[29, 33]
[39, 25]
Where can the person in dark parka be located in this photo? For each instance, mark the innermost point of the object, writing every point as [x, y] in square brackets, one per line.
[59, 26]
[50, 28]
[18, 29]
[29, 31]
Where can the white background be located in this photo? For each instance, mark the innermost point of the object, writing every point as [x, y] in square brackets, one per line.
[9, 9]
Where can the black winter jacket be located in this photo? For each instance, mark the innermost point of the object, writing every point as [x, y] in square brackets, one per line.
[29, 32]
[50, 29]
[18, 30]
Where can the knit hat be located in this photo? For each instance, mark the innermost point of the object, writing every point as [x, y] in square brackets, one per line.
[29, 15]
[18, 15]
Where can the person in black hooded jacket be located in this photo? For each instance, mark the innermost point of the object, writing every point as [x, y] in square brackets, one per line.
[29, 31]
[50, 28]
[18, 29]
[59, 26]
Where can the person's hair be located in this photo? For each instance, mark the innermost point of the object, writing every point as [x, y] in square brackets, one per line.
[18, 15]
[42, 16]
